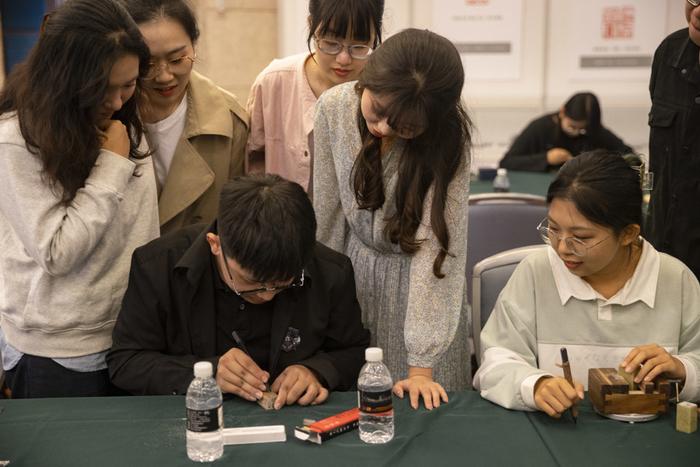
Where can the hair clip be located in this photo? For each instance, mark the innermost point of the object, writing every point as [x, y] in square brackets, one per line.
[44, 22]
[646, 178]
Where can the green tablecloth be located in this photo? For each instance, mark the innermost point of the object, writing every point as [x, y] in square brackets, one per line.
[149, 431]
[534, 183]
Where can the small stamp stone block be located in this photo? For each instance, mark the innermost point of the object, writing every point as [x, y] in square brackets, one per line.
[686, 417]
[267, 401]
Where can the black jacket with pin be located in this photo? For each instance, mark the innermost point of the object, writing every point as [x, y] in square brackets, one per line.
[529, 150]
[674, 150]
[168, 318]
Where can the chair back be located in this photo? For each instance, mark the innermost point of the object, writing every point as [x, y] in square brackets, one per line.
[490, 276]
[499, 222]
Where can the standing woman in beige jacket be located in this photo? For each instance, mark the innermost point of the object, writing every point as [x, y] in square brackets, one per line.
[197, 130]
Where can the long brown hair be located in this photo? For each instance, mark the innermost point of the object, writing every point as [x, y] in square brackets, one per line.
[421, 73]
[57, 91]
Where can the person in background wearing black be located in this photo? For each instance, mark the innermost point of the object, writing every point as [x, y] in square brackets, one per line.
[553, 139]
[673, 223]
[253, 293]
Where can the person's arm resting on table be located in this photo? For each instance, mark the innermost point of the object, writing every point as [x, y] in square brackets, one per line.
[509, 375]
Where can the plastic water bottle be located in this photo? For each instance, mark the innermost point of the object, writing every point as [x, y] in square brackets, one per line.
[501, 184]
[374, 399]
[205, 416]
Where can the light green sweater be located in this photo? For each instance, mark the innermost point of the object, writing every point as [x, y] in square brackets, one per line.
[537, 314]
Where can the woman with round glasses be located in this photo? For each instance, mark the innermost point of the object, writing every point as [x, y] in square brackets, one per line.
[391, 182]
[600, 290]
[197, 130]
[283, 98]
[77, 198]
[549, 141]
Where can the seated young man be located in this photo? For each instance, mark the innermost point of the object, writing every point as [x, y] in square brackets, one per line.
[253, 293]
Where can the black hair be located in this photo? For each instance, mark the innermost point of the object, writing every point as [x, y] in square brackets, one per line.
[603, 186]
[584, 107]
[177, 10]
[267, 224]
[421, 73]
[337, 18]
[58, 90]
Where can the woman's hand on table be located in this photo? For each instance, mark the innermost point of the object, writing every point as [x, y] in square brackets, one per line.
[420, 384]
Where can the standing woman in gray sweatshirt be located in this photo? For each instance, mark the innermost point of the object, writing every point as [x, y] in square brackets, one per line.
[78, 196]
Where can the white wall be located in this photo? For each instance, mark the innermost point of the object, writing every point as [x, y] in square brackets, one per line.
[501, 108]
[238, 39]
[293, 26]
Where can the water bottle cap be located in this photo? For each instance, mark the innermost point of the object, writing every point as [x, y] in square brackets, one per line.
[203, 370]
[502, 171]
[374, 354]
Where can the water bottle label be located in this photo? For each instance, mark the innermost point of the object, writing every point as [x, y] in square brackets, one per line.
[202, 421]
[375, 402]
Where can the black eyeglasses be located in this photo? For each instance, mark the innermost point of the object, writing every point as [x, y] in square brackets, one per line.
[297, 282]
[694, 2]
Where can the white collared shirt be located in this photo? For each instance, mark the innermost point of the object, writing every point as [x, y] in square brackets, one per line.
[641, 286]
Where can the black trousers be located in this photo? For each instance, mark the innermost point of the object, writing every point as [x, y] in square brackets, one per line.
[42, 377]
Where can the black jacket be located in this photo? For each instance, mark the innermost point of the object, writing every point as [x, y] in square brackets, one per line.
[529, 150]
[674, 150]
[168, 318]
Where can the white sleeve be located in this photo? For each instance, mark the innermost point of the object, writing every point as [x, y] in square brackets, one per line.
[508, 370]
[689, 344]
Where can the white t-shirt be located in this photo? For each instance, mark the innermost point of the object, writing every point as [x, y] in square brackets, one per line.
[163, 137]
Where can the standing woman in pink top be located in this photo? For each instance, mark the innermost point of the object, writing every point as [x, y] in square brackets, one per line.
[282, 100]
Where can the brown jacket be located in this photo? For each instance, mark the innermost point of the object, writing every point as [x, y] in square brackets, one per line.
[210, 152]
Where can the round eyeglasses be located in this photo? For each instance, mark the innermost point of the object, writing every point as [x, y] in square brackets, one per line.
[297, 282]
[331, 47]
[575, 245]
[175, 66]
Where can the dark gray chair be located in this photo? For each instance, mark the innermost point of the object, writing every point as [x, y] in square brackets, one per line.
[499, 222]
[489, 277]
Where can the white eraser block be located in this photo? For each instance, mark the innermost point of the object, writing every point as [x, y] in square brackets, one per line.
[255, 434]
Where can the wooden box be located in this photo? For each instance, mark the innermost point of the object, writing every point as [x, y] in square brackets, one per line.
[610, 393]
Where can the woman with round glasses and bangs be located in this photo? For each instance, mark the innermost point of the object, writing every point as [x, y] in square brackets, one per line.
[282, 101]
[599, 289]
[391, 182]
[197, 130]
[78, 196]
